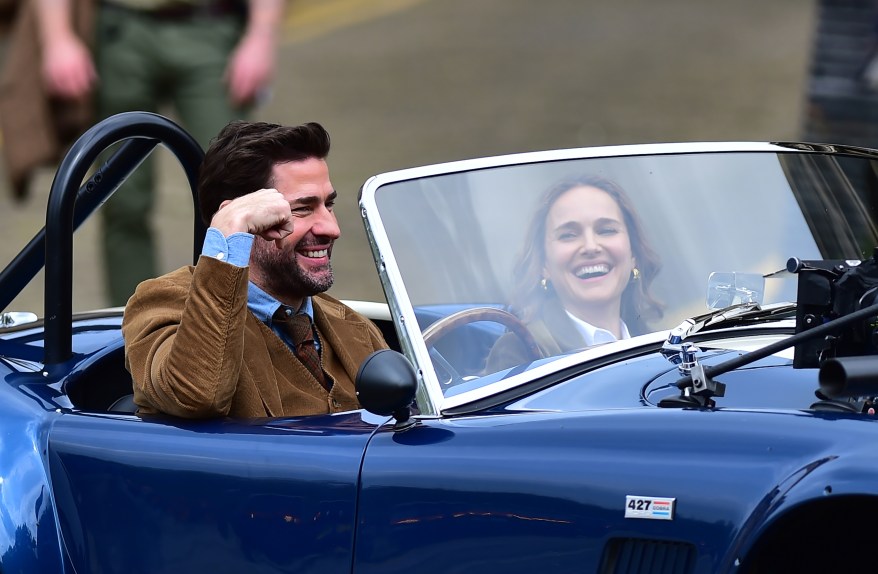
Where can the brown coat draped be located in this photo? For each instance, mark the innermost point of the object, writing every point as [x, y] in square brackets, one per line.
[554, 332]
[37, 129]
[195, 350]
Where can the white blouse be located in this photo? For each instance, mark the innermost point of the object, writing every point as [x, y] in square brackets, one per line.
[595, 335]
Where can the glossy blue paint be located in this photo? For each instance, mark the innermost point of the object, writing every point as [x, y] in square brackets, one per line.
[648, 378]
[546, 491]
[276, 496]
[545, 475]
[29, 539]
[227, 496]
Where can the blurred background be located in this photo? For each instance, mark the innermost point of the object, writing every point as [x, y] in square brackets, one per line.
[402, 83]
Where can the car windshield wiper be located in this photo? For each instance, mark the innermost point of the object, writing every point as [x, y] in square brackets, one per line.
[733, 316]
[722, 290]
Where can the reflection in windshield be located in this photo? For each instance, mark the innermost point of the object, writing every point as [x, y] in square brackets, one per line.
[837, 200]
[626, 245]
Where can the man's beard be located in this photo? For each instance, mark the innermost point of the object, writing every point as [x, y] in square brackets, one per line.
[282, 274]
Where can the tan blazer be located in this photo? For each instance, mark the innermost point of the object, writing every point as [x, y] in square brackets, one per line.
[554, 332]
[194, 349]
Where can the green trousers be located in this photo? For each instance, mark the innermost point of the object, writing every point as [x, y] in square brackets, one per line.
[144, 63]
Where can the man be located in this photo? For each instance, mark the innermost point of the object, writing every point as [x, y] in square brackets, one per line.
[210, 59]
[211, 340]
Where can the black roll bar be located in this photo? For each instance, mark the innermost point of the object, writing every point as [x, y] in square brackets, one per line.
[69, 205]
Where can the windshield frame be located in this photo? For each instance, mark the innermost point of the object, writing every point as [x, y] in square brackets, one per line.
[430, 398]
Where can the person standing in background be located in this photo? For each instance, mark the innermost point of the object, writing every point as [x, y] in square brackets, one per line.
[212, 60]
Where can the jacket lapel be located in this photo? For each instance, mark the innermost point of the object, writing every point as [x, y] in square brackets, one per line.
[329, 316]
[559, 329]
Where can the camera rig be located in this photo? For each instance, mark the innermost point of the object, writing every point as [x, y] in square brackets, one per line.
[836, 331]
[829, 290]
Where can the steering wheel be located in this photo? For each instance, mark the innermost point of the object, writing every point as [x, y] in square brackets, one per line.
[443, 326]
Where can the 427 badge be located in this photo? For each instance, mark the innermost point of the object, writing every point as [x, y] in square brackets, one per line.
[649, 507]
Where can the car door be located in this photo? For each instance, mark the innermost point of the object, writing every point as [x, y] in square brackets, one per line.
[273, 495]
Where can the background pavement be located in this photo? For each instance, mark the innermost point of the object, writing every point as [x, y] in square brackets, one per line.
[401, 83]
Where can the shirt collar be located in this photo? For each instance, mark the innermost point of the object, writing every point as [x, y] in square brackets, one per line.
[595, 335]
[264, 306]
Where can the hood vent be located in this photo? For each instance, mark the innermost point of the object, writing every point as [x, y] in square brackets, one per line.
[640, 556]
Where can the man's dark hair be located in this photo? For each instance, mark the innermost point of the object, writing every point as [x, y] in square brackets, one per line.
[240, 159]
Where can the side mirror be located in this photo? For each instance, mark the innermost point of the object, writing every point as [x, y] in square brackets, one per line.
[386, 384]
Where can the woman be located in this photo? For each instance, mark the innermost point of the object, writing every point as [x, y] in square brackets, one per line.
[585, 274]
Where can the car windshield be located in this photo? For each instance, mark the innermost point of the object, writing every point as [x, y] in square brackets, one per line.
[586, 251]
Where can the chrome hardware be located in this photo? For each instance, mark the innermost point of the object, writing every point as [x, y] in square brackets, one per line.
[688, 361]
[15, 318]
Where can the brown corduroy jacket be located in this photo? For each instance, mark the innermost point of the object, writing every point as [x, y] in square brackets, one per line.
[195, 350]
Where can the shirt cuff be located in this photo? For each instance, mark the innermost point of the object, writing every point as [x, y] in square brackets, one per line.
[234, 249]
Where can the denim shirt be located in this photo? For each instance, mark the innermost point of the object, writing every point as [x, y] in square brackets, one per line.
[235, 249]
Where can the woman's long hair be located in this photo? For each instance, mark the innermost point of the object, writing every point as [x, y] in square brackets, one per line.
[638, 305]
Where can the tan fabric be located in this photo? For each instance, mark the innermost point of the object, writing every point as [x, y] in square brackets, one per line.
[553, 331]
[37, 130]
[194, 350]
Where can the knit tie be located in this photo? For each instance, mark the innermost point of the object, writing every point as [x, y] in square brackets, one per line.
[302, 334]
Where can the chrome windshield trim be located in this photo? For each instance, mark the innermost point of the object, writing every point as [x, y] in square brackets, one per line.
[431, 400]
[429, 394]
[627, 150]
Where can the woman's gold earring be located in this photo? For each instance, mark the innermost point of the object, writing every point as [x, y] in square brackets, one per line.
[544, 283]
[635, 274]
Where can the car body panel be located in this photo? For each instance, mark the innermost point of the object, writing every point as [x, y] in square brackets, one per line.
[533, 490]
[277, 496]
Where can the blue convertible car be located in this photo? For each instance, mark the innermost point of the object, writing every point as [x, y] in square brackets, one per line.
[723, 423]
